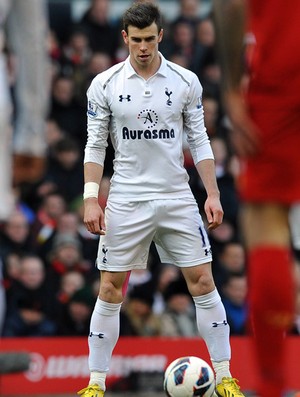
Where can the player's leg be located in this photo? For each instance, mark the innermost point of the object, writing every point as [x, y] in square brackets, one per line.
[124, 247]
[210, 316]
[212, 325]
[271, 296]
[189, 249]
[104, 330]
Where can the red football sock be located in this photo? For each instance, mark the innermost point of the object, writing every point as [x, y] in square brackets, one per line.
[272, 299]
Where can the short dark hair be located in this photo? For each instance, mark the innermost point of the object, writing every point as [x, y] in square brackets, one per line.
[141, 15]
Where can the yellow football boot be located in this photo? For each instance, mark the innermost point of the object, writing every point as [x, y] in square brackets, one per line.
[91, 391]
[228, 388]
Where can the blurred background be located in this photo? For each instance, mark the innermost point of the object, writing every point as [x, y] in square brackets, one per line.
[51, 51]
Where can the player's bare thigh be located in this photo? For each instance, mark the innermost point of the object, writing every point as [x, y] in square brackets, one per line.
[265, 224]
[199, 279]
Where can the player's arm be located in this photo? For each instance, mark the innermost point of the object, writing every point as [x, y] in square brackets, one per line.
[230, 20]
[93, 213]
[98, 121]
[212, 207]
[202, 153]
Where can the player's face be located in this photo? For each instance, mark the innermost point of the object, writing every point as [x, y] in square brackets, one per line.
[143, 45]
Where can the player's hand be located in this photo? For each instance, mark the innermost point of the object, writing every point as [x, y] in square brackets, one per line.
[245, 134]
[93, 216]
[214, 212]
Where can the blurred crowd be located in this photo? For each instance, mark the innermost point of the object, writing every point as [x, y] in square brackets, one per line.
[47, 257]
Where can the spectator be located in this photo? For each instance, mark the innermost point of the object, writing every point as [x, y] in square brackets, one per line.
[64, 173]
[69, 223]
[70, 282]
[99, 27]
[234, 296]
[205, 32]
[15, 235]
[54, 51]
[210, 74]
[54, 133]
[231, 260]
[189, 11]
[137, 317]
[69, 114]
[75, 51]
[178, 318]
[66, 255]
[182, 41]
[11, 269]
[76, 313]
[31, 306]
[76, 54]
[49, 211]
[226, 180]
[211, 114]
[167, 274]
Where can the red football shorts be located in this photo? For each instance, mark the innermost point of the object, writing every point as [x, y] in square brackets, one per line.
[273, 175]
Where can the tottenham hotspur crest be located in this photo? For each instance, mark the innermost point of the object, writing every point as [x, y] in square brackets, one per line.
[168, 93]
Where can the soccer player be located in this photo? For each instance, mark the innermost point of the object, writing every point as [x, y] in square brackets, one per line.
[265, 120]
[146, 104]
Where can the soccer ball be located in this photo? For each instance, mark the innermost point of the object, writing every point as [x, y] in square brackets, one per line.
[189, 377]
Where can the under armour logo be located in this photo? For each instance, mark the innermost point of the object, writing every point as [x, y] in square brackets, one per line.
[104, 251]
[207, 251]
[169, 102]
[99, 335]
[128, 98]
[220, 324]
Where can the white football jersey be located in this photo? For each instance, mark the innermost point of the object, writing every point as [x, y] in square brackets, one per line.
[146, 120]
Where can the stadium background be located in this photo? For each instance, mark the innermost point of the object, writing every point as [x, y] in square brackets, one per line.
[71, 353]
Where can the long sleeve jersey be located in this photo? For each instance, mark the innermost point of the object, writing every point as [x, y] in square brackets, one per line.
[146, 120]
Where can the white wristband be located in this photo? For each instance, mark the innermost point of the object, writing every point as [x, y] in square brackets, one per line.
[91, 189]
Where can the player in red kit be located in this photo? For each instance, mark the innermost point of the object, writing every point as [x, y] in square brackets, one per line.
[265, 119]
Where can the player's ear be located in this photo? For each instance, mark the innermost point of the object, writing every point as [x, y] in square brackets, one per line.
[125, 36]
[160, 35]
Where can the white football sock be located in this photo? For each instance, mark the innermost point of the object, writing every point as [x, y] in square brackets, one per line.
[98, 378]
[104, 334]
[214, 329]
[221, 369]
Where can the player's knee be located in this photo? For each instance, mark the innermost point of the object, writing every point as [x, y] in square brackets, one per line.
[203, 285]
[109, 292]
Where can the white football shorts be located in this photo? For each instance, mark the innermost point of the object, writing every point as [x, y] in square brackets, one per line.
[175, 225]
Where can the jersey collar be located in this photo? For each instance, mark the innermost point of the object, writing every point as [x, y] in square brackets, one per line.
[131, 72]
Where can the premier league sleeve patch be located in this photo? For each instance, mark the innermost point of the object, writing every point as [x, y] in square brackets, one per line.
[92, 109]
